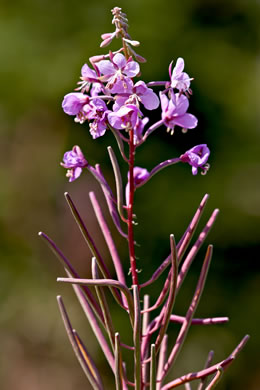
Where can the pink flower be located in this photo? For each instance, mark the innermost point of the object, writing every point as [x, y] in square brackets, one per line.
[118, 73]
[97, 111]
[197, 157]
[140, 92]
[90, 76]
[74, 102]
[74, 161]
[174, 112]
[125, 118]
[179, 79]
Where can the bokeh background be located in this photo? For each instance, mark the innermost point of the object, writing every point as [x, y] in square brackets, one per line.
[44, 43]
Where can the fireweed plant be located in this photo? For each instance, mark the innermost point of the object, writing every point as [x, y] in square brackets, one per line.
[110, 97]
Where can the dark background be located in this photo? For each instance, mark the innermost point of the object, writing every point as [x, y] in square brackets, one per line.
[44, 43]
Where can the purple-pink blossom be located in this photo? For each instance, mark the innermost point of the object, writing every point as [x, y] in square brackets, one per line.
[74, 160]
[125, 118]
[197, 157]
[179, 79]
[74, 102]
[118, 73]
[91, 76]
[174, 111]
[140, 174]
[97, 111]
[139, 93]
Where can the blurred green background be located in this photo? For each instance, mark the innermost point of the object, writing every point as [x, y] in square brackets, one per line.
[44, 43]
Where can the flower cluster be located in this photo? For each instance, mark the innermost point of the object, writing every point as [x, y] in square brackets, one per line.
[110, 98]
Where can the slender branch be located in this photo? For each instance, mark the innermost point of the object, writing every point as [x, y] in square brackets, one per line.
[153, 368]
[190, 313]
[203, 382]
[162, 360]
[109, 241]
[87, 357]
[67, 265]
[194, 250]
[186, 238]
[182, 244]
[92, 246]
[104, 305]
[119, 141]
[156, 83]
[145, 323]
[200, 321]
[216, 379]
[111, 202]
[162, 294]
[208, 371]
[118, 363]
[118, 180]
[151, 129]
[94, 324]
[172, 295]
[104, 283]
[85, 364]
[157, 169]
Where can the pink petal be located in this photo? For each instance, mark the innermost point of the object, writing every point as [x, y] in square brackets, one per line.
[164, 102]
[186, 121]
[106, 67]
[182, 104]
[87, 72]
[120, 100]
[119, 60]
[140, 87]
[150, 100]
[131, 69]
[73, 102]
[178, 67]
[122, 86]
[77, 173]
[115, 121]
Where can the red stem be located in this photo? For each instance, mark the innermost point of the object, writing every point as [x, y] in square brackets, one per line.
[130, 209]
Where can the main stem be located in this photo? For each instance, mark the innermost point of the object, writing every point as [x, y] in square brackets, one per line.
[131, 244]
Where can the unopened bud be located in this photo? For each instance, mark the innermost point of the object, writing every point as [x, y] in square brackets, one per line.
[106, 42]
[140, 58]
[131, 42]
[96, 58]
[106, 35]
